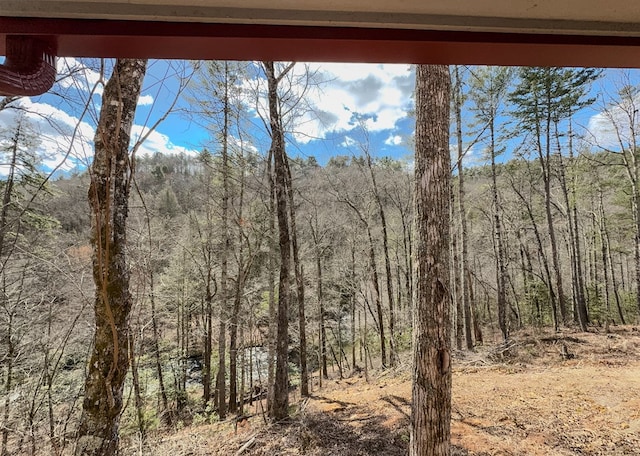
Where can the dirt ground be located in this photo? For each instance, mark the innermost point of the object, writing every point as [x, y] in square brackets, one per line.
[522, 399]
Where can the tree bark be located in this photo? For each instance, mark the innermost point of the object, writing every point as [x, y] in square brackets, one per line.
[280, 405]
[8, 384]
[108, 196]
[545, 163]
[299, 276]
[462, 215]
[431, 404]
[239, 290]
[156, 345]
[393, 356]
[207, 342]
[271, 278]
[545, 263]
[614, 281]
[321, 311]
[605, 266]
[224, 257]
[375, 281]
[352, 285]
[501, 272]
[574, 235]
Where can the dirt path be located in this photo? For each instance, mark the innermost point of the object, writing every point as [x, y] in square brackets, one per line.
[588, 405]
[533, 402]
[585, 410]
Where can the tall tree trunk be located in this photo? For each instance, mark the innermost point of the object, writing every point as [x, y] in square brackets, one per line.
[545, 263]
[109, 199]
[4, 229]
[376, 290]
[233, 343]
[462, 215]
[279, 408]
[458, 317]
[574, 233]
[352, 277]
[322, 331]
[374, 279]
[393, 356]
[546, 174]
[207, 251]
[431, 396]
[239, 290]
[182, 328]
[271, 278]
[164, 402]
[614, 281]
[636, 250]
[207, 342]
[500, 267]
[299, 275]
[605, 266]
[579, 301]
[8, 385]
[224, 254]
[137, 392]
[546, 177]
[501, 272]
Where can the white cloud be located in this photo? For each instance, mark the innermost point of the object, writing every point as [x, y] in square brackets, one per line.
[62, 141]
[610, 128]
[65, 143]
[380, 93]
[618, 119]
[348, 142]
[157, 142]
[73, 73]
[393, 140]
[342, 95]
[145, 100]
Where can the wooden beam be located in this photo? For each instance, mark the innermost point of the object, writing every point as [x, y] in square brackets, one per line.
[180, 40]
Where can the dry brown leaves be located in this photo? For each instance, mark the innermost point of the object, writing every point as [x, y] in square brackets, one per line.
[527, 401]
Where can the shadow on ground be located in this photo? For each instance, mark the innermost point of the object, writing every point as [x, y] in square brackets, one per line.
[346, 429]
[362, 435]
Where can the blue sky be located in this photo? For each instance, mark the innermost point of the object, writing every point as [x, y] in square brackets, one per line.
[378, 94]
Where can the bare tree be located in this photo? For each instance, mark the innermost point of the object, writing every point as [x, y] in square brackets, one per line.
[490, 85]
[279, 407]
[393, 355]
[620, 117]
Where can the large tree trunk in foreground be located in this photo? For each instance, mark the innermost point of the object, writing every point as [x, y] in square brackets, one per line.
[431, 397]
[108, 196]
[279, 408]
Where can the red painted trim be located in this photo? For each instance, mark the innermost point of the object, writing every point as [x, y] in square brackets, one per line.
[180, 40]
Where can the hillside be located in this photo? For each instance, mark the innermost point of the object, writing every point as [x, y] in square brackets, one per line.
[524, 399]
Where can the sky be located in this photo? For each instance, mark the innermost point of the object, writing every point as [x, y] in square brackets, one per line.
[351, 106]
[379, 94]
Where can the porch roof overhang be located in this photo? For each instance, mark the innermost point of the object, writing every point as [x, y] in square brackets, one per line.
[490, 32]
[513, 32]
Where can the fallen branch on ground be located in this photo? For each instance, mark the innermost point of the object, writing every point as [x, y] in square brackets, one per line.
[248, 444]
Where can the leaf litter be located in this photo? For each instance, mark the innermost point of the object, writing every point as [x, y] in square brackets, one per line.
[520, 398]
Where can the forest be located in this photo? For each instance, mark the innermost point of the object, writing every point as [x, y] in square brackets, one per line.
[202, 284]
